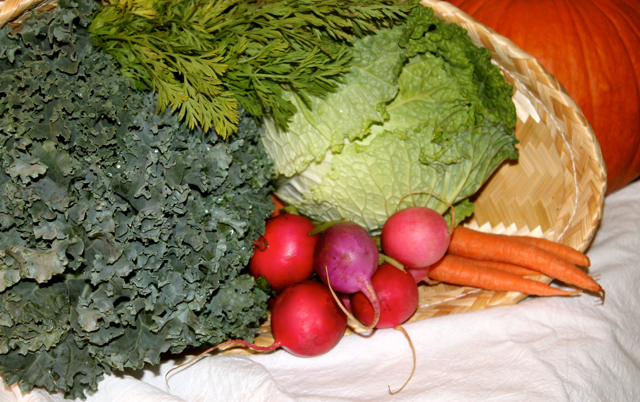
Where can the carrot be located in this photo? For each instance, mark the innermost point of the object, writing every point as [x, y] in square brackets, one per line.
[568, 253]
[462, 271]
[490, 247]
[277, 205]
[506, 267]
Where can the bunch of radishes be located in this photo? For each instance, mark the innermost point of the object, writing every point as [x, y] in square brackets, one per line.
[307, 317]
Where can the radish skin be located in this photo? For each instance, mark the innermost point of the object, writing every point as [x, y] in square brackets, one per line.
[415, 236]
[398, 296]
[305, 321]
[345, 258]
[420, 274]
[284, 254]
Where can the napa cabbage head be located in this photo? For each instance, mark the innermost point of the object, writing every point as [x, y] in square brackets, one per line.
[422, 111]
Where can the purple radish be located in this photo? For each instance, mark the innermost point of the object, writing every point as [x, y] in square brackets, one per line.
[346, 258]
[420, 274]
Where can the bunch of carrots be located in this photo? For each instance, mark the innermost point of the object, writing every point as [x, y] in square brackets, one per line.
[502, 263]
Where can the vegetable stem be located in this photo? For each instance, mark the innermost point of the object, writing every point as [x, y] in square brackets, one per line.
[392, 262]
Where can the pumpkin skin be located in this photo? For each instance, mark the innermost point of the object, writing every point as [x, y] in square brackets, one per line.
[593, 48]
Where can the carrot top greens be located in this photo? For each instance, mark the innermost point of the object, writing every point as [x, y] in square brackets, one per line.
[206, 57]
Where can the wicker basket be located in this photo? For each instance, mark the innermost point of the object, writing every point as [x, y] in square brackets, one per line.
[555, 190]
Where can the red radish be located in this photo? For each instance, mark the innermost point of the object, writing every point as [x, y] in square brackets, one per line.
[305, 321]
[345, 299]
[415, 236]
[345, 258]
[398, 295]
[284, 255]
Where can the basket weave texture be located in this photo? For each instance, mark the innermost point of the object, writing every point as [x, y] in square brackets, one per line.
[555, 190]
[17, 10]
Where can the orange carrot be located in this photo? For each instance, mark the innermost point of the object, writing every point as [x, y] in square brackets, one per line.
[277, 205]
[505, 267]
[568, 253]
[462, 271]
[490, 247]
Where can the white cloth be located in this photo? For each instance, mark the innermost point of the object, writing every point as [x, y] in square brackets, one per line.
[543, 349]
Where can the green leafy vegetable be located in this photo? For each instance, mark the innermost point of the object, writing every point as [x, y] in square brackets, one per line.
[422, 109]
[123, 234]
[203, 58]
[265, 286]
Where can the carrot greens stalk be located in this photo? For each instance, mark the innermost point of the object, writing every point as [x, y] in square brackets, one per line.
[491, 247]
[463, 271]
[205, 58]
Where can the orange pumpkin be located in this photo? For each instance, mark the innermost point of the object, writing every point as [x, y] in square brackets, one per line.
[593, 48]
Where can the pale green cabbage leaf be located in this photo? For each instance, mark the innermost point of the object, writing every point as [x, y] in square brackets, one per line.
[422, 110]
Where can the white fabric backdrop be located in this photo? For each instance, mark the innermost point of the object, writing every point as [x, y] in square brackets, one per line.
[543, 349]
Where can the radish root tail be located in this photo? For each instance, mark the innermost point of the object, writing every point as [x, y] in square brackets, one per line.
[375, 303]
[438, 196]
[273, 346]
[344, 310]
[413, 351]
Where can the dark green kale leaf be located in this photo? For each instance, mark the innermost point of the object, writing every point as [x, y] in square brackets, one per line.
[123, 234]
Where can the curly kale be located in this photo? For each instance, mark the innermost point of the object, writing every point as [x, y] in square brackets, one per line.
[123, 234]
